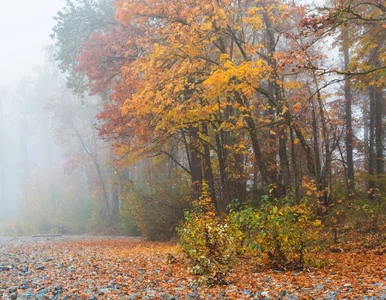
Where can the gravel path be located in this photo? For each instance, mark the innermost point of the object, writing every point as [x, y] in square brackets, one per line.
[90, 267]
[4, 240]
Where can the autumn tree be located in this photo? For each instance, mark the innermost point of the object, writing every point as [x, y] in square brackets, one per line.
[238, 96]
[74, 24]
[217, 77]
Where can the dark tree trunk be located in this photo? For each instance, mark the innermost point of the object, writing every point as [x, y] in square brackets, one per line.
[195, 161]
[295, 168]
[372, 94]
[318, 162]
[257, 150]
[94, 158]
[208, 170]
[379, 132]
[274, 93]
[316, 140]
[225, 195]
[252, 132]
[349, 130]
[284, 164]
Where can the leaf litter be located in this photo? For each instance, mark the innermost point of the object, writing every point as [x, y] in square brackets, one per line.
[121, 268]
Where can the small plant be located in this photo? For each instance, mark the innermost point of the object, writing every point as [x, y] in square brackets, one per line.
[210, 241]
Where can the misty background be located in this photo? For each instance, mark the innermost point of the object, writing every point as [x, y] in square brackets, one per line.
[46, 133]
[25, 30]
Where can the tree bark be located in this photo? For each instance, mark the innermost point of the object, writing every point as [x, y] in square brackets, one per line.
[208, 170]
[295, 167]
[371, 163]
[196, 165]
[225, 195]
[379, 132]
[284, 164]
[349, 130]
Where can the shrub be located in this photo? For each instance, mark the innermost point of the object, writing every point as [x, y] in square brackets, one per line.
[363, 210]
[127, 225]
[279, 229]
[210, 241]
[287, 231]
[246, 219]
[158, 209]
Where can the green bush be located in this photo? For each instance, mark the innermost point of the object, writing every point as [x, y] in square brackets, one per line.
[210, 241]
[279, 229]
[287, 231]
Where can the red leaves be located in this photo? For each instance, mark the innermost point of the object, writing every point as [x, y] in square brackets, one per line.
[103, 56]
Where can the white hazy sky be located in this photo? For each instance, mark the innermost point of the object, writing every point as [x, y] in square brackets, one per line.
[25, 26]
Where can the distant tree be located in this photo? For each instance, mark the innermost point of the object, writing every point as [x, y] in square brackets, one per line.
[75, 23]
[74, 126]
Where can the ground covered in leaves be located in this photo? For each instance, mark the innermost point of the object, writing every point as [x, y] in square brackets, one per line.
[129, 268]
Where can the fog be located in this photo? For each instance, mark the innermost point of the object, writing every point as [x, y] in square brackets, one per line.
[48, 140]
[25, 27]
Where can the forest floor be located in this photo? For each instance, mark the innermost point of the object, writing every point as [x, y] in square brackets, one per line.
[130, 268]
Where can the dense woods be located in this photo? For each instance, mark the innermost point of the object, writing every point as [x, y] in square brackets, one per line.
[249, 97]
[232, 124]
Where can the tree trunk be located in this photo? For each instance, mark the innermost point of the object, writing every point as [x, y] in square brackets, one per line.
[284, 164]
[379, 132]
[225, 195]
[208, 170]
[349, 130]
[318, 163]
[252, 131]
[257, 150]
[274, 93]
[115, 203]
[104, 191]
[316, 140]
[372, 94]
[324, 183]
[295, 167]
[196, 165]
